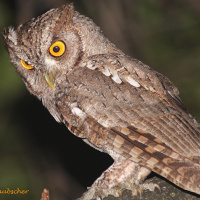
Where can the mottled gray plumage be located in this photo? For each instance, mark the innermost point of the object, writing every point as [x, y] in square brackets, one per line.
[115, 103]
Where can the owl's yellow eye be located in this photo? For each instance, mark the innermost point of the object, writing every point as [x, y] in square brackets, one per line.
[57, 49]
[26, 65]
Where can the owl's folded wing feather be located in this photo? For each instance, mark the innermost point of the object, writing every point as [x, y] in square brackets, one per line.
[152, 106]
[145, 122]
[152, 153]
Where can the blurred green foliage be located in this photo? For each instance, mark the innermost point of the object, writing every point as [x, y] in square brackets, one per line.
[35, 151]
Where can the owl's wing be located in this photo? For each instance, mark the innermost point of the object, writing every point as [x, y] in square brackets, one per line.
[122, 105]
[121, 92]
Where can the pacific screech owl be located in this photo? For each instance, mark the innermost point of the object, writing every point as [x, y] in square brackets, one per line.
[115, 103]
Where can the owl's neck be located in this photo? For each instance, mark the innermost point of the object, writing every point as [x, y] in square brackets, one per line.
[92, 36]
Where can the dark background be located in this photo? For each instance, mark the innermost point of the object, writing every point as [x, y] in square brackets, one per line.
[35, 151]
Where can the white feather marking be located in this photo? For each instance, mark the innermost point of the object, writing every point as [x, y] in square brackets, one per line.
[78, 112]
[105, 123]
[83, 64]
[106, 72]
[132, 81]
[73, 105]
[91, 66]
[49, 62]
[116, 78]
[151, 89]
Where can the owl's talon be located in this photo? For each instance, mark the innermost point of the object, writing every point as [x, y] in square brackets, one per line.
[139, 193]
[120, 192]
[158, 187]
[150, 186]
[137, 189]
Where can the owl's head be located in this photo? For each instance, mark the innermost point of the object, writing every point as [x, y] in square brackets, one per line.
[47, 48]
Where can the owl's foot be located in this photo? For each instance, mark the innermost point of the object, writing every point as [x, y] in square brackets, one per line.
[137, 189]
[148, 186]
[122, 174]
[110, 181]
[99, 193]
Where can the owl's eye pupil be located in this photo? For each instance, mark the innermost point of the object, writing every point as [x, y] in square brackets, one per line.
[56, 49]
[26, 63]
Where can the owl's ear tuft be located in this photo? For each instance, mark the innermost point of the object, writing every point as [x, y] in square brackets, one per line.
[67, 13]
[9, 38]
[70, 6]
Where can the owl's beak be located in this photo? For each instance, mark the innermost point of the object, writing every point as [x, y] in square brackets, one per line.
[50, 80]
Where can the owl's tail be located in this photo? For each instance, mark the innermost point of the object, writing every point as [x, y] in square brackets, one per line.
[185, 173]
[150, 152]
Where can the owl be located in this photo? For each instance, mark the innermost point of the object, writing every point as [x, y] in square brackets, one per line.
[114, 103]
